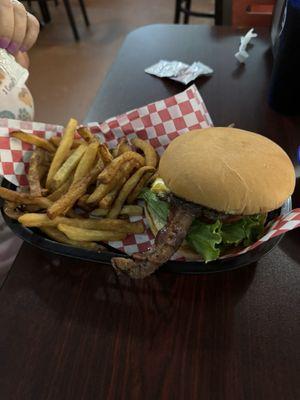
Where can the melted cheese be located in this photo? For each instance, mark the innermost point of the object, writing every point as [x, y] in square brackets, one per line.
[159, 186]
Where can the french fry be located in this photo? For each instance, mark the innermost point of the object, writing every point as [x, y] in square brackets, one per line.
[115, 225]
[114, 153]
[100, 191]
[153, 177]
[108, 199]
[141, 184]
[99, 212]
[87, 161]
[73, 214]
[125, 210]
[86, 134]
[81, 203]
[76, 190]
[105, 154]
[126, 189]
[58, 193]
[98, 167]
[60, 237]
[83, 198]
[131, 210]
[10, 209]
[55, 140]
[62, 151]
[42, 202]
[62, 205]
[23, 198]
[36, 220]
[37, 169]
[33, 139]
[123, 147]
[89, 234]
[69, 166]
[110, 171]
[119, 179]
[148, 150]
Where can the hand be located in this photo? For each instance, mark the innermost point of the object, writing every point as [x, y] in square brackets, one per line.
[22, 59]
[18, 28]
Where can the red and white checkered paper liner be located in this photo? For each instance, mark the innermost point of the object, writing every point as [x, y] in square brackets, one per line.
[159, 123]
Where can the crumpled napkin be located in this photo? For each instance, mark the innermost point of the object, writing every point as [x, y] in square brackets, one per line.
[242, 54]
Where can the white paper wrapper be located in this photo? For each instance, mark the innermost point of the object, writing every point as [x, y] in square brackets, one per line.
[242, 54]
[12, 74]
[179, 71]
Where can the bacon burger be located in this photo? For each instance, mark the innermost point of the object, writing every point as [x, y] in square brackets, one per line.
[216, 187]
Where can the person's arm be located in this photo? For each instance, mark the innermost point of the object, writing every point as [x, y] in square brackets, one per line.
[18, 33]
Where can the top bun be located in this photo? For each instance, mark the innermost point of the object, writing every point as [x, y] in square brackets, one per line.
[229, 170]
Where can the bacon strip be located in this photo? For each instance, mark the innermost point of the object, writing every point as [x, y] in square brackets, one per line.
[167, 242]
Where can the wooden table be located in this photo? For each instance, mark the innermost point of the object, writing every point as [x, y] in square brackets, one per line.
[71, 330]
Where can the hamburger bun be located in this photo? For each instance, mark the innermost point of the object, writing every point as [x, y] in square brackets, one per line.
[229, 170]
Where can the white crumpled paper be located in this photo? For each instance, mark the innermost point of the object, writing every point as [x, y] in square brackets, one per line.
[242, 54]
[12, 74]
[179, 71]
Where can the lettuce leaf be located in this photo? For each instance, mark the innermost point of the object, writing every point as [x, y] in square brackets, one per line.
[254, 227]
[210, 239]
[205, 238]
[246, 230]
[159, 207]
[233, 233]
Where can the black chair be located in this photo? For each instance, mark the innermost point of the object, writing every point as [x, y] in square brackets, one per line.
[46, 17]
[183, 7]
[71, 17]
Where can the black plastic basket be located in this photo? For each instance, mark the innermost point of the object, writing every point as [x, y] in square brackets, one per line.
[37, 238]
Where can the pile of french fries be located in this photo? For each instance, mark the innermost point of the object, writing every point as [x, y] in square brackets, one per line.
[80, 192]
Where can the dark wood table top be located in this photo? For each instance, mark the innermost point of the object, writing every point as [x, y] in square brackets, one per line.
[72, 330]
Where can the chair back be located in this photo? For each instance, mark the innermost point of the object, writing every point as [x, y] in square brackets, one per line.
[252, 13]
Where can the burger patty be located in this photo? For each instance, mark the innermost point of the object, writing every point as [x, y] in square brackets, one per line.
[205, 214]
